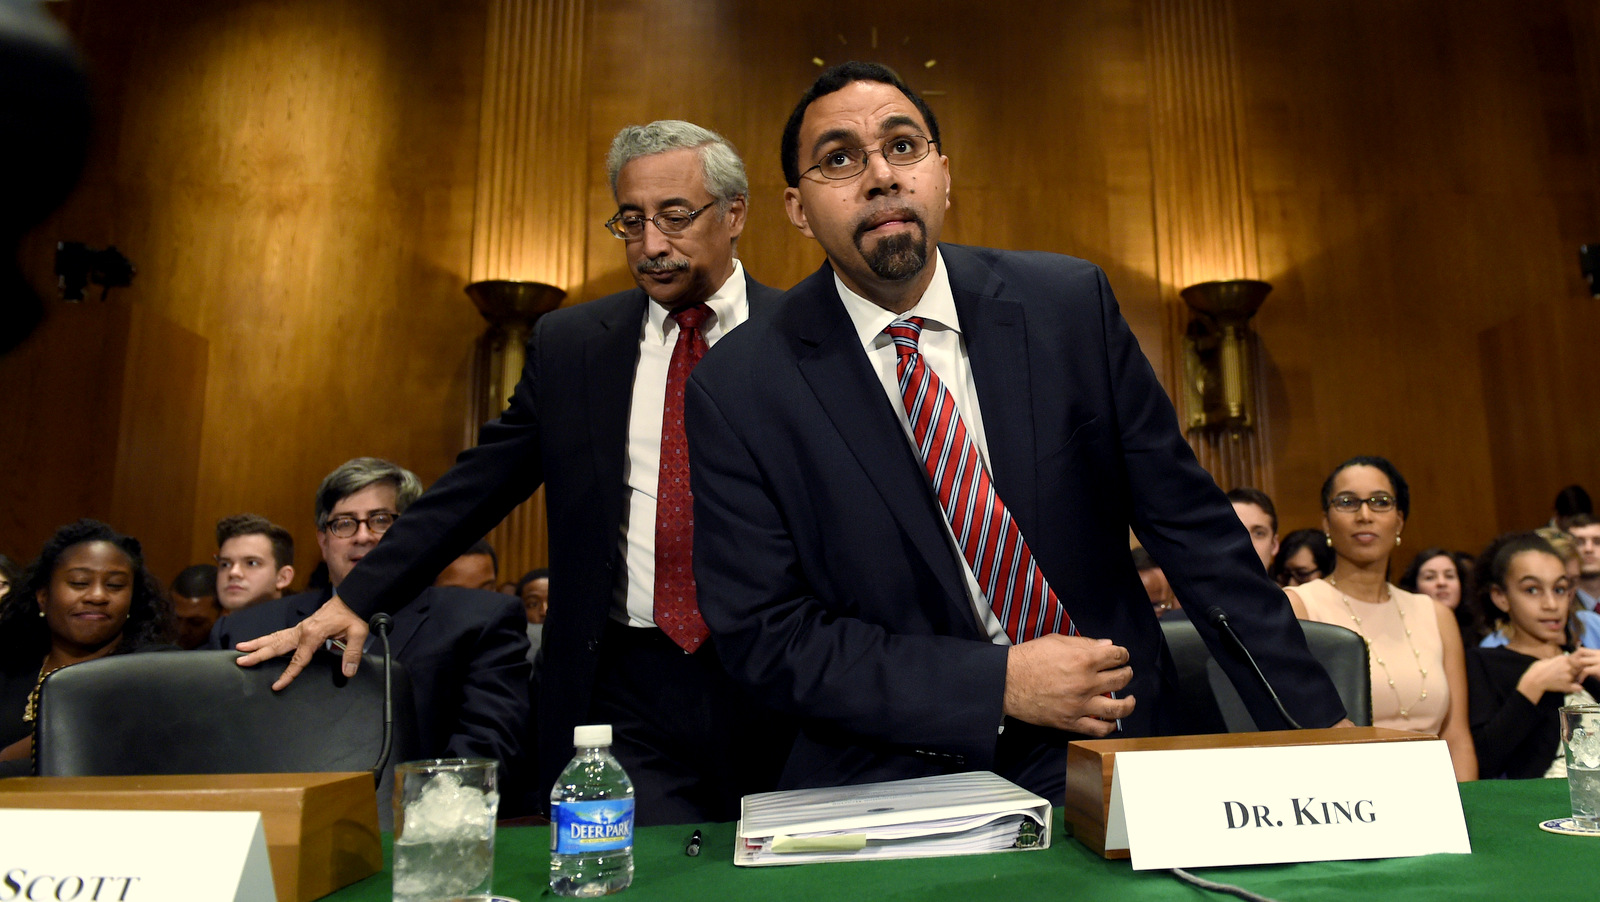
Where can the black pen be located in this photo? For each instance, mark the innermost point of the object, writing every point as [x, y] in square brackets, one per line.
[692, 847]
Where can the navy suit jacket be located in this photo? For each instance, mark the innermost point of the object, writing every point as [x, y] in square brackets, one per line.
[465, 651]
[827, 577]
[566, 427]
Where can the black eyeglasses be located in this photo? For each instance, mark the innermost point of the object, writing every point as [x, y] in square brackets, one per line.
[849, 162]
[630, 226]
[377, 524]
[1347, 503]
[1302, 574]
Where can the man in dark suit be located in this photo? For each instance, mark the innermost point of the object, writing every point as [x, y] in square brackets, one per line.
[830, 573]
[597, 419]
[465, 651]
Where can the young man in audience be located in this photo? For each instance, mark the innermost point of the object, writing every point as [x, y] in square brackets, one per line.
[464, 650]
[1255, 510]
[476, 568]
[255, 561]
[194, 604]
[1585, 531]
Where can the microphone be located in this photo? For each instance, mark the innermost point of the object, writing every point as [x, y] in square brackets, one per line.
[381, 624]
[1218, 618]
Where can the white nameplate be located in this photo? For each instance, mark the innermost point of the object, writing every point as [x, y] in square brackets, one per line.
[133, 856]
[1213, 807]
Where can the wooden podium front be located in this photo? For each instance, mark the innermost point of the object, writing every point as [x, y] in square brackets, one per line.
[1090, 762]
[321, 829]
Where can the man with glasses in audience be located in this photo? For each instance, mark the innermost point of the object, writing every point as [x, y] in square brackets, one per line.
[858, 567]
[464, 650]
[597, 418]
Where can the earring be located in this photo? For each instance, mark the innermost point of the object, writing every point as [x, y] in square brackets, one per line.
[1327, 538]
[41, 612]
[1397, 541]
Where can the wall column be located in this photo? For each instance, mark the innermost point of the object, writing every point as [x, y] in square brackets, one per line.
[1204, 216]
[532, 178]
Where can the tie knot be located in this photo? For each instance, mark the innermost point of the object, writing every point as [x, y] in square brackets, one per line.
[692, 316]
[905, 333]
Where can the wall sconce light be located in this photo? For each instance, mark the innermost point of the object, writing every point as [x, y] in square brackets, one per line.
[1216, 353]
[511, 308]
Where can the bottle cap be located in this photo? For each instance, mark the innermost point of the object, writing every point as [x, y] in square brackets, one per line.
[591, 736]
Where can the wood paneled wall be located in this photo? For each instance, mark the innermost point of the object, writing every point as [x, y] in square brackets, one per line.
[294, 180]
[303, 184]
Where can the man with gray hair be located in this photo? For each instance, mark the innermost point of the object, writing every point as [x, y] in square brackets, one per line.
[464, 650]
[598, 419]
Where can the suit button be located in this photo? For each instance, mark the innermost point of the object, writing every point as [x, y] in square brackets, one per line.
[594, 644]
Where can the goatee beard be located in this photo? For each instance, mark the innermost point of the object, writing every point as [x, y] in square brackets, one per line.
[897, 257]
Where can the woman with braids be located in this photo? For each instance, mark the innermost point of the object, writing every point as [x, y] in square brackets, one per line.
[87, 595]
[1518, 689]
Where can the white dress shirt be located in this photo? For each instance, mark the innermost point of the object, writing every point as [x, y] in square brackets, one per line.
[944, 350]
[657, 336]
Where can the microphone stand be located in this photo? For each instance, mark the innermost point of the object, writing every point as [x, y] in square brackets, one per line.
[1218, 618]
[381, 623]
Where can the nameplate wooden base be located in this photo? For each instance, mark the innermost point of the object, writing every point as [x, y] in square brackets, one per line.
[321, 829]
[1090, 763]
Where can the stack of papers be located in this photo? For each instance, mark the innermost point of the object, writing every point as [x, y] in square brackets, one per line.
[952, 814]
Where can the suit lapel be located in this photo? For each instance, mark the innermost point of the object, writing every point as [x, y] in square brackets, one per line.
[995, 332]
[610, 357]
[407, 621]
[832, 362]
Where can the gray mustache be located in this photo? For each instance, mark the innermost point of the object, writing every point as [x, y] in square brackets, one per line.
[659, 266]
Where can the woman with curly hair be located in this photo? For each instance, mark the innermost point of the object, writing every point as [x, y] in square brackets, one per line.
[87, 595]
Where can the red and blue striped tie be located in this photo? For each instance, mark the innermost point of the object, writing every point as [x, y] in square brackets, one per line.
[983, 528]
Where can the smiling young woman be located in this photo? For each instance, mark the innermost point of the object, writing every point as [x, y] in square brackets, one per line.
[1518, 688]
[1418, 665]
[87, 595]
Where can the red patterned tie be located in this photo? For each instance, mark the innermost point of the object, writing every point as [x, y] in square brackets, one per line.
[988, 537]
[676, 612]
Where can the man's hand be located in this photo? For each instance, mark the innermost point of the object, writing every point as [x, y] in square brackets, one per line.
[1061, 681]
[334, 620]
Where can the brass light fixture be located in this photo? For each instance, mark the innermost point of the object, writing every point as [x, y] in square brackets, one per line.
[511, 308]
[1218, 377]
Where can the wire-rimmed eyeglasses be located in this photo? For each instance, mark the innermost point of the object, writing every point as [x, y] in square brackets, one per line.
[630, 226]
[849, 162]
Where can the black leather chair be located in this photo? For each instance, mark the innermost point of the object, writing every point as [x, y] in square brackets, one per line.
[197, 712]
[1211, 703]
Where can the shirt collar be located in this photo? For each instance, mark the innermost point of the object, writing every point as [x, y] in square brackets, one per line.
[937, 307]
[725, 303]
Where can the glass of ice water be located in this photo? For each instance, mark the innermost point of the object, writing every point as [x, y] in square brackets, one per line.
[1580, 736]
[444, 828]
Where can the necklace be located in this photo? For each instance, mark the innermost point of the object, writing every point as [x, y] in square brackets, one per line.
[31, 713]
[1405, 709]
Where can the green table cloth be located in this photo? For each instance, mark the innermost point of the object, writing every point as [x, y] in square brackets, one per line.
[1511, 859]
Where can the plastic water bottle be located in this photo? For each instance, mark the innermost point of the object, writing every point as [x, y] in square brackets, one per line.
[591, 820]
